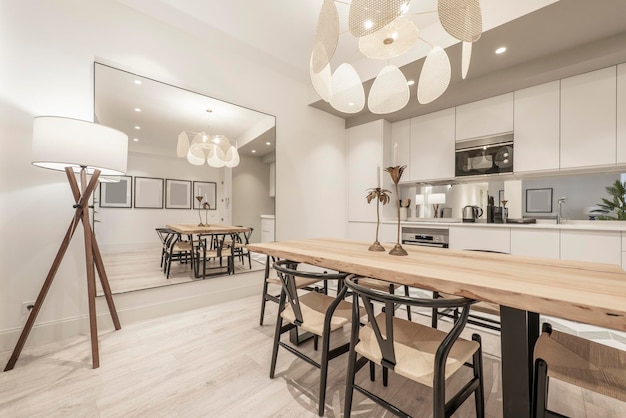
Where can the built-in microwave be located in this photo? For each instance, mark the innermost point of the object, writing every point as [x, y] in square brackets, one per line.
[488, 155]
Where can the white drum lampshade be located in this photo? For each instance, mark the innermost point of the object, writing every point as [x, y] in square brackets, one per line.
[60, 142]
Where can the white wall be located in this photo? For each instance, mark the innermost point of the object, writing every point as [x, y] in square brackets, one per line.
[47, 48]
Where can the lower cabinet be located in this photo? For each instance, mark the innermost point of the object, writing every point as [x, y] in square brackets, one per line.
[592, 246]
[267, 230]
[536, 242]
[488, 238]
[366, 231]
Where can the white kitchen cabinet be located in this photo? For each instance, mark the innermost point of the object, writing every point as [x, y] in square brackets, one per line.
[432, 146]
[485, 117]
[592, 246]
[621, 114]
[535, 242]
[588, 119]
[365, 144]
[267, 229]
[366, 231]
[487, 238]
[537, 128]
[400, 143]
[272, 179]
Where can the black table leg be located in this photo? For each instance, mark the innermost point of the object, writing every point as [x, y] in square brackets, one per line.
[520, 330]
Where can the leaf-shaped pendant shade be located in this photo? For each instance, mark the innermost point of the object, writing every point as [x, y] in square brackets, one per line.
[195, 155]
[391, 41]
[435, 76]
[183, 145]
[466, 58]
[232, 157]
[462, 19]
[348, 94]
[215, 157]
[326, 36]
[368, 16]
[389, 92]
[321, 81]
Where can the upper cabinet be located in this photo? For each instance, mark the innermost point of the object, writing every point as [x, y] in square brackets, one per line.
[537, 128]
[485, 117]
[621, 114]
[365, 145]
[400, 143]
[588, 119]
[432, 146]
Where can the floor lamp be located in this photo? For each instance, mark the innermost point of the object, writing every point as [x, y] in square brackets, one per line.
[84, 148]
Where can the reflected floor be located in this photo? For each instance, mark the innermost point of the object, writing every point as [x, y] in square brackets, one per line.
[140, 269]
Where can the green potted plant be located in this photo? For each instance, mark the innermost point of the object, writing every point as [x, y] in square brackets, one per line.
[614, 208]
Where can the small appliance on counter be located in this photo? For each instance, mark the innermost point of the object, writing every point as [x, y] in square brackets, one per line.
[490, 209]
[471, 213]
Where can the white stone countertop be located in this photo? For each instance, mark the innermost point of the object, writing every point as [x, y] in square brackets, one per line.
[541, 224]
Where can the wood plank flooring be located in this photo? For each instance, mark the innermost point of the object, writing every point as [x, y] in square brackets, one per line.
[214, 362]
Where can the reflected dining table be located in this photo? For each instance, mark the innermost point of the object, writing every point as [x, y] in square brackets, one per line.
[524, 287]
[203, 230]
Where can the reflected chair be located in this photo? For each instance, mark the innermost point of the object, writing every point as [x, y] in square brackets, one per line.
[240, 248]
[212, 247]
[177, 250]
[417, 352]
[271, 278]
[164, 235]
[577, 361]
[313, 312]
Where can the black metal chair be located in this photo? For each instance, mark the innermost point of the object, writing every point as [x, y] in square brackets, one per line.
[312, 312]
[577, 361]
[271, 278]
[177, 249]
[212, 247]
[417, 352]
[239, 246]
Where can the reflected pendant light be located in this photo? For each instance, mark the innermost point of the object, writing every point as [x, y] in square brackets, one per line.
[321, 82]
[232, 157]
[435, 76]
[195, 155]
[183, 145]
[466, 57]
[326, 36]
[391, 41]
[389, 92]
[214, 158]
[462, 19]
[368, 16]
[348, 94]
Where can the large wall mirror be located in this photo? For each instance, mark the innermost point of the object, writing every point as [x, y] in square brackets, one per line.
[159, 186]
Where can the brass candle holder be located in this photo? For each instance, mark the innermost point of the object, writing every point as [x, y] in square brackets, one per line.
[206, 206]
[199, 199]
[396, 173]
[381, 196]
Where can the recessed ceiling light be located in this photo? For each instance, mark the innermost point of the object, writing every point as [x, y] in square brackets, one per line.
[135, 139]
[268, 143]
[253, 151]
[138, 127]
[137, 81]
[501, 50]
[137, 109]
[410, 82]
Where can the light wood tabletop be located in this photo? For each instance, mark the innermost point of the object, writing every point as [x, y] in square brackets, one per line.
[592, 293]
[189, 229]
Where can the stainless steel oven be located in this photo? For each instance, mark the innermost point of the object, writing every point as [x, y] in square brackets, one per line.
[430, 237]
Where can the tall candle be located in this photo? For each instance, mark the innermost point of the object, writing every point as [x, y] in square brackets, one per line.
[378, 177]
[395, 154]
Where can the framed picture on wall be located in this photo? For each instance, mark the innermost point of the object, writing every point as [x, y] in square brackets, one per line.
[539, 200]
[148, 193]
[177, 194]
[208, 191]
[116, 194]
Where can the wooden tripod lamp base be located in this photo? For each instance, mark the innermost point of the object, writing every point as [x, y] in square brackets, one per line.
[82, 141]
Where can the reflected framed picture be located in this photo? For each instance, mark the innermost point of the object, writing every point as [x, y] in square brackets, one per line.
[208, 191]
[539, 200]
[177, 194]
[148, 193]
[116, 194]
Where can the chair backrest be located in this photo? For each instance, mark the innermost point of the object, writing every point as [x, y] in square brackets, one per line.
[164, 234]
[385, 342]
[288, 271]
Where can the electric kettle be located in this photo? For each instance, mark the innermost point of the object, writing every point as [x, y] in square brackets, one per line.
[471, 213]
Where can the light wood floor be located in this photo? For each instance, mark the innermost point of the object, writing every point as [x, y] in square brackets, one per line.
[214, 362]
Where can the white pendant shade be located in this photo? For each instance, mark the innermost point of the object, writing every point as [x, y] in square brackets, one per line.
[321, 82]
[232, 157]
[391, 41]
[466, 58]
[462, 19]
[215, 150]
[368, 16]
[183, 145]
[326, 36]
[389, 92]
[195, 155]
[348, 94]
[214, 159]
[435, 76]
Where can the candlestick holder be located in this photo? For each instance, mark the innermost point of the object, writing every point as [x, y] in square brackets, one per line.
[381, 196]
[396, 174]
[206, 206]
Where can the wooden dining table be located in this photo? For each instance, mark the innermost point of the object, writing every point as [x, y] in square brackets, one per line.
[199, 230]
[524, 287]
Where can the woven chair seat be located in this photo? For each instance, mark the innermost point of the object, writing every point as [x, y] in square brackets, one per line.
[300, 281]
[182, 246]
[415, 346]
[314, 306]
[584, 363]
